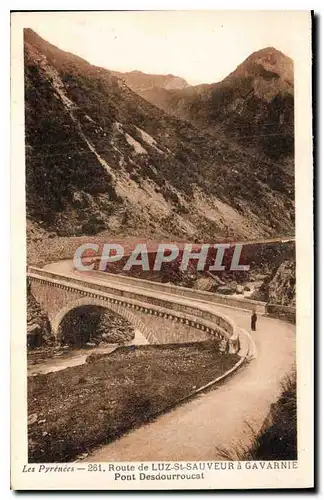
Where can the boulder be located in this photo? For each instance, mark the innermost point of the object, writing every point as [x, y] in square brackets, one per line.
[259, 277]
[233, 285]
[32, 419]
[216, 279]
[239, 289]
[91, 344]
[206, 284]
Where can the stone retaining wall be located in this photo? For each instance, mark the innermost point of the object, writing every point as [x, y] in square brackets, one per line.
[282, 312]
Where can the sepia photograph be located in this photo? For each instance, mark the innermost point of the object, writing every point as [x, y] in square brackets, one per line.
[160, 157]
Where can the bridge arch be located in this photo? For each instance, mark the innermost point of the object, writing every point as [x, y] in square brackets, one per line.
[160, 317]
[114, 307]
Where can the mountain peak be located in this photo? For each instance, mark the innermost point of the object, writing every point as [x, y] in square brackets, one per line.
[267, 63]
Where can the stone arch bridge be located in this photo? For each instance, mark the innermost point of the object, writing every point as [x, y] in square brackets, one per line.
[161, 316]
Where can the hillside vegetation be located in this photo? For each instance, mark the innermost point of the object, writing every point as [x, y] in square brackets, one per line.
[73, 410]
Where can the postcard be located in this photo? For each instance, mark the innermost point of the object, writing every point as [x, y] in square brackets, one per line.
[162, 248]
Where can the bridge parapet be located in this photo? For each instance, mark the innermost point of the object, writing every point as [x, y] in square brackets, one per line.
[201, 316]
[215, 298]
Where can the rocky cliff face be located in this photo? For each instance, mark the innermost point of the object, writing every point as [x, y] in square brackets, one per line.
[38, 325]
[282, 287]
[101, 158]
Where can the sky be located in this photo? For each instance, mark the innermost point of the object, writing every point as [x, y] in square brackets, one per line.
[200, 46]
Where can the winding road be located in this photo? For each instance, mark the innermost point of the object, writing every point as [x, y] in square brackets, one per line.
[221, 418]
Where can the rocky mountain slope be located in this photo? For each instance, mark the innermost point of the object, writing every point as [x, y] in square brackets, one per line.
[254, 104]
[282, 285]
[101, 158]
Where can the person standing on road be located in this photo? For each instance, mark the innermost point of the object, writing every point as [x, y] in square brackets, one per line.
[253, 321]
